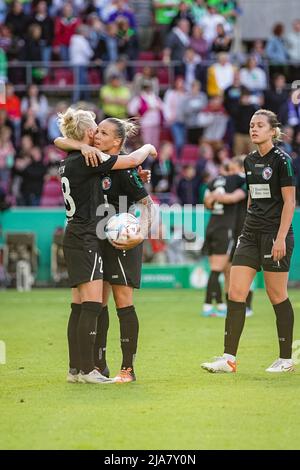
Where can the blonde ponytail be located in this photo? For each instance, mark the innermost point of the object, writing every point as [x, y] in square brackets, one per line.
[74, 123]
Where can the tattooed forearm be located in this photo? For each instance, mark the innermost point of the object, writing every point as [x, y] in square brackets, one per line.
[147, 208]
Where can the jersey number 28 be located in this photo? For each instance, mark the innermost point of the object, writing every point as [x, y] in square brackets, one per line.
[69, 201]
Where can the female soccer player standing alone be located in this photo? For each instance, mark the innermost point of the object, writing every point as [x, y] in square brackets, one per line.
[266, 242]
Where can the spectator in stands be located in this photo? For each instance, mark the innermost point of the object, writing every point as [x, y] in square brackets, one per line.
[199, 10]
[64, 28]
[163, 173]
[222, 157]
[36, 101]
[276, 49]
[241, 118]
[213, 118]
[253, 77]
[44, 20]
[107, 47]
[177, 42]
[17, 20]
[5, 121]
[117, 68]
[7, 155]
[195, 102]
[114, 98]
[52, 128]
[220, 75]
[13, 109]
[232, 94]
[31, 126]
[293, 41]
[184, 13]
[32, 50]
[127, 43]
[198, 43]
[80, 53]
[3, 11]
[209, 24]
[148, 106]
[3, 66]
[259, 52]
[33, 179]
[296, 145]
[207, 169]
[174, 100]
[147, 74]
[276, 98]
[222, 41]
[287, 140]
[188, 186]
[191, 68]
[294, 113]
[122, 11]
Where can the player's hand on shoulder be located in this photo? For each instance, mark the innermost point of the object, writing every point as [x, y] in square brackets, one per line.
[145, 175]
[92, 155]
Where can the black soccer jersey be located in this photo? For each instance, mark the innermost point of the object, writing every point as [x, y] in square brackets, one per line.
[122, 188]
[265, 177]
[224, 215]
[82, 189]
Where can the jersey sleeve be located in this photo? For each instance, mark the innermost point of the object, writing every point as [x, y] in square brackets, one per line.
[286, 172]
[103, 167]
[132, 185]
[246, 169]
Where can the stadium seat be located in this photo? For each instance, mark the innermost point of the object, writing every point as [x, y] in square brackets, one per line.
[190, 153]
[52, 195]
[146, 55]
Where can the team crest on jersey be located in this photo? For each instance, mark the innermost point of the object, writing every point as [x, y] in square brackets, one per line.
[267, 173]
[106, 183]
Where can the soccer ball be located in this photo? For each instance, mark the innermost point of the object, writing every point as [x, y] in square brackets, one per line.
[121, 227]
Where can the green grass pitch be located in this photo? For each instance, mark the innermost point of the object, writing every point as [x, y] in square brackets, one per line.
[173, 405]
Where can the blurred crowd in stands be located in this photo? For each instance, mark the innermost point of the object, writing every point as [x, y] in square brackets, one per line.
[194, 88]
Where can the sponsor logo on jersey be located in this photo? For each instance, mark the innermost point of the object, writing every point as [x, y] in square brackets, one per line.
[106, 183]
[267, 173]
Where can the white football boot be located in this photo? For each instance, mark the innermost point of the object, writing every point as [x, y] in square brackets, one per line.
[94, 377]
[281, 365]
[220, 365]
[72, 376]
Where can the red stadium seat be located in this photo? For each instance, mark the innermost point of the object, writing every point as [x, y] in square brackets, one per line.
[190, 153]
[146, 55]
[52, 195]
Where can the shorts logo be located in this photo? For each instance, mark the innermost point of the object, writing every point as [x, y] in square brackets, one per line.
[106, 183]
[267, 173]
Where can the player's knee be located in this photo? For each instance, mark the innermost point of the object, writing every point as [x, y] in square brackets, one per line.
[276, 294]
[237, 294]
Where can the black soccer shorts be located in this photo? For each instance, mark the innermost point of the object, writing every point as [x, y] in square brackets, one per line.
[122, 267]
[254, 250]
[83, 258]
[218, 241]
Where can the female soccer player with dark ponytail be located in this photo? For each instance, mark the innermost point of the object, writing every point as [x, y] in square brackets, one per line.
[266, 242]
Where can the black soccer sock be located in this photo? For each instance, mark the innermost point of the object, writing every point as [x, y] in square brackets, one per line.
[234, 324]
[285, 324]
[213, 290]
[227, 297]
[74, 357]
[129, 330]
[86, 333]
[249, 299]
[101, 339]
